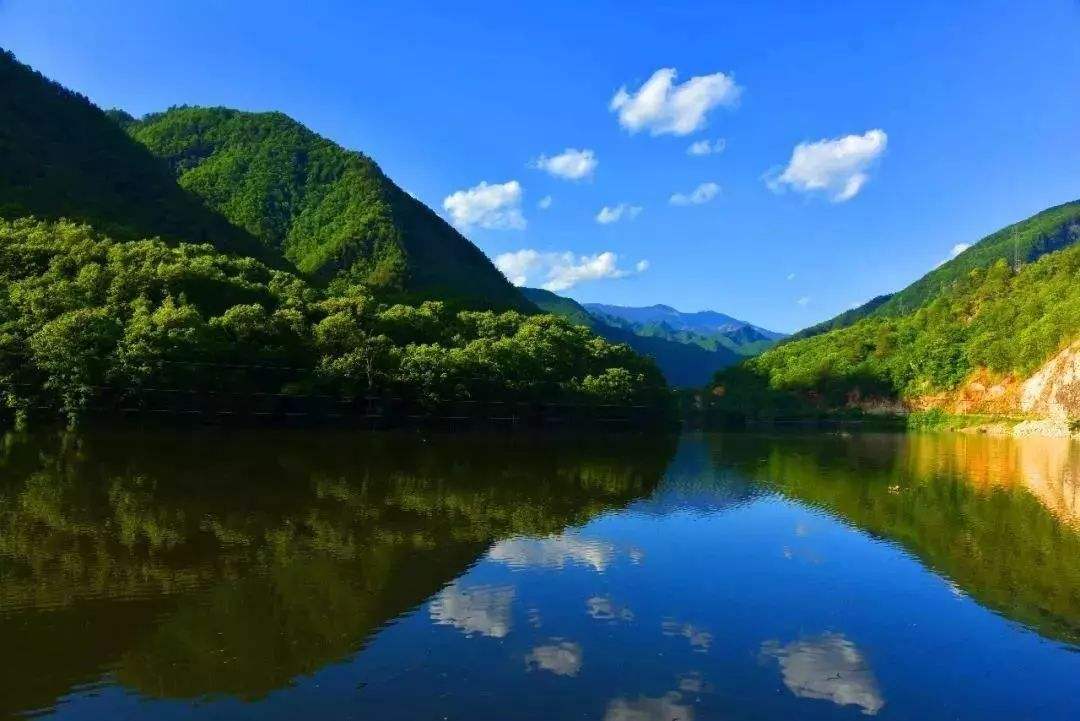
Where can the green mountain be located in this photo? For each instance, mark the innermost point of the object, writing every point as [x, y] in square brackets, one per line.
[103, 305]
[979, 313]
[683, 363]
[1022, 242]
[330, 211]
[62, 157]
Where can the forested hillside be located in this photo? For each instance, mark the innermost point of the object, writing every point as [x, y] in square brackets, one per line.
[1023, 242]
[683, 362]
[80, 312]
[62, 157]
[998, 319]
[331, 211]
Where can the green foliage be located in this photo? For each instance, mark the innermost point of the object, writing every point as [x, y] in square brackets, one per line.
[330, 211]
[64, 158]
[79, 312]
[993, 318]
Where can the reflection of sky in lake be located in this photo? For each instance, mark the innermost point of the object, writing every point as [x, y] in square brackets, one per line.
[711, 600]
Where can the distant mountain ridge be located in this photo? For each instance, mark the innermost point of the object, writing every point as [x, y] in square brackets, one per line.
[706, 322]
[689, 347]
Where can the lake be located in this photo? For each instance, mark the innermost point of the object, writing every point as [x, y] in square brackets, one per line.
[329, 575]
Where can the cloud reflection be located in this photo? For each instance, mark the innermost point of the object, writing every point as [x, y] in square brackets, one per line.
[603, 608]
[554, 552]
[700, 639]
[827, 667]
[483, 610]
[562, 658]
[645, 708]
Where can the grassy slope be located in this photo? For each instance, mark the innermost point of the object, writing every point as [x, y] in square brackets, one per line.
[1045, 232]
[683, 364]
[993, 318]
[331, 211]
[64, 157]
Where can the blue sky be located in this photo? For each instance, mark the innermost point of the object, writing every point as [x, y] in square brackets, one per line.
[977, 104]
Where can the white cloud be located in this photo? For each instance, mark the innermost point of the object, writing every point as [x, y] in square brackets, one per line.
[544, 203]
[827, 667]
[701, 194]
[562, 658]
[615, 213]
[478, 609]
[496, 206]
[669, 109]
[956, 250]
[561, 271]
[791, 276]
[836, 166]
[707, 147]
[570, 164]
[804, 301]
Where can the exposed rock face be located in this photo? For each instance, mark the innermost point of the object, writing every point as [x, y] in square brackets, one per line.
[1054, 391]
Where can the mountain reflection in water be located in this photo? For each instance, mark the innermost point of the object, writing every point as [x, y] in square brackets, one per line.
[328, 575]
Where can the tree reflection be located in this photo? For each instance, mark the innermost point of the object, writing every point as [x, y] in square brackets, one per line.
[997, 516]
[228, 564]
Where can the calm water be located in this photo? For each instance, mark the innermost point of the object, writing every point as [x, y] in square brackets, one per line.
[315, 575]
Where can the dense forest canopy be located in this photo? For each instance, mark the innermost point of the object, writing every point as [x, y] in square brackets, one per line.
[332, 212]
[80, 312]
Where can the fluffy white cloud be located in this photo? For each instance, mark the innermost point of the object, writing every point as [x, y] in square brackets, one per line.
[562, 658]
[804, 301]
[701, 194]
[956, 250]
[707, 147]
[561, 271]
[477, 609]
[615, 213]
[570, 164]
[836, 166]
[666, 108]
[827, 667]
[496, 206]
[544, 203]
